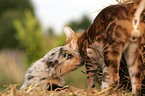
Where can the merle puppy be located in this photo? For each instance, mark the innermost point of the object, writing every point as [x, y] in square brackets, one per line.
[48, 72]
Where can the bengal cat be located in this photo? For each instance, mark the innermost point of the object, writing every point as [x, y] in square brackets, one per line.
[117, 31]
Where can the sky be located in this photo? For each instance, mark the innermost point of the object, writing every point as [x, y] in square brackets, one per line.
[57, 13]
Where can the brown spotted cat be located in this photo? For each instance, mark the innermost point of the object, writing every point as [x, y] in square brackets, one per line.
[117, 31]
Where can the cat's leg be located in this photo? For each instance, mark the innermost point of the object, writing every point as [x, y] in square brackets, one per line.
[134, 62]
[112, 56]
[105, 78]
[95, 72]
[91, 70]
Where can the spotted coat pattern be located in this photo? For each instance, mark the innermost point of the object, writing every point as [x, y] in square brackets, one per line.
[52, 68]
[117, 31]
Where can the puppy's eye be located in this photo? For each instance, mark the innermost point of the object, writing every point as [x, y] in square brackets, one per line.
[69, 56]
[64, 55]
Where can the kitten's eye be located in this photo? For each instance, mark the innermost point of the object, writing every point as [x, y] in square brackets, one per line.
[69, 56]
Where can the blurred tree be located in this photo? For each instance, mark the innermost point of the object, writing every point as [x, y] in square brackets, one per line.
[51, 40]
[50, 31]
[9, 11]
[30, 37]
[82, 24]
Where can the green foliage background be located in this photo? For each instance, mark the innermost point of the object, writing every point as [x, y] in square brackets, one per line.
[21, 30]
[9, 11]
[30, 37]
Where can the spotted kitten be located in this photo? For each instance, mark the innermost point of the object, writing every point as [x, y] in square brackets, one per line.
[118, 30]
[52, 68]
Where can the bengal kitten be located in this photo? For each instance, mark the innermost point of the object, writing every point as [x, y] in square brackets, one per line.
[117, 31]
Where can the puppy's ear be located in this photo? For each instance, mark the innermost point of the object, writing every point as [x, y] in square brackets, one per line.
[68, 32]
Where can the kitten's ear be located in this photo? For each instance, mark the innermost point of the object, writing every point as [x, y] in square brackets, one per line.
[68, 32]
